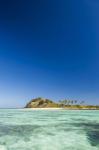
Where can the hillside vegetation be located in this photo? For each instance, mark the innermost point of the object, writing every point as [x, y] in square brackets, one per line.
[66, 104]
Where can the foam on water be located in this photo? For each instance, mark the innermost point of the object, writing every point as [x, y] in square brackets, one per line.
[49, 130]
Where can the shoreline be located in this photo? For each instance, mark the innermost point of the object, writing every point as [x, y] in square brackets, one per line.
[54, 108]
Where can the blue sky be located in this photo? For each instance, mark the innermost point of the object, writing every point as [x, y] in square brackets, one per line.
[50, 49]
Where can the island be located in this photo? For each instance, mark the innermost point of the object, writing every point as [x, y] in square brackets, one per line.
[63, 104]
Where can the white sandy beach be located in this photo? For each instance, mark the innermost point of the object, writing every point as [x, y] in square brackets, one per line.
[54, 108]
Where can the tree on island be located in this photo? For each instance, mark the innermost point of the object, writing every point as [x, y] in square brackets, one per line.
[70, 102]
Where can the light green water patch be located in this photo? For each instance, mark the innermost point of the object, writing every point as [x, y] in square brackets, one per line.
[22, 129]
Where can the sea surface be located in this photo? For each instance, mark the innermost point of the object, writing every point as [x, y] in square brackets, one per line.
[24, 129]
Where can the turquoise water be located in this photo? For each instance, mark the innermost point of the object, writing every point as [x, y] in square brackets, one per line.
[22, 129]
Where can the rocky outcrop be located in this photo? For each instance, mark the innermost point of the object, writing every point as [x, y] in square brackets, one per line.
[41, 103]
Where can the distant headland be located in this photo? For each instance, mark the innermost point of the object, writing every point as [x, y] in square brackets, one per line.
[65, 104]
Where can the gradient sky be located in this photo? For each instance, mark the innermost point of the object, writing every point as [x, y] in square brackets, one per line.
[49, 48]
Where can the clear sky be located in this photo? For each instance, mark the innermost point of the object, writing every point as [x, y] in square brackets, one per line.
[49, 48]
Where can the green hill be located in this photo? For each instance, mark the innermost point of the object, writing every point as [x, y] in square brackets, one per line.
[41, 103]
[46, 103]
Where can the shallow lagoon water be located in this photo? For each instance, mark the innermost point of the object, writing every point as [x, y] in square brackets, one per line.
[24, 129]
